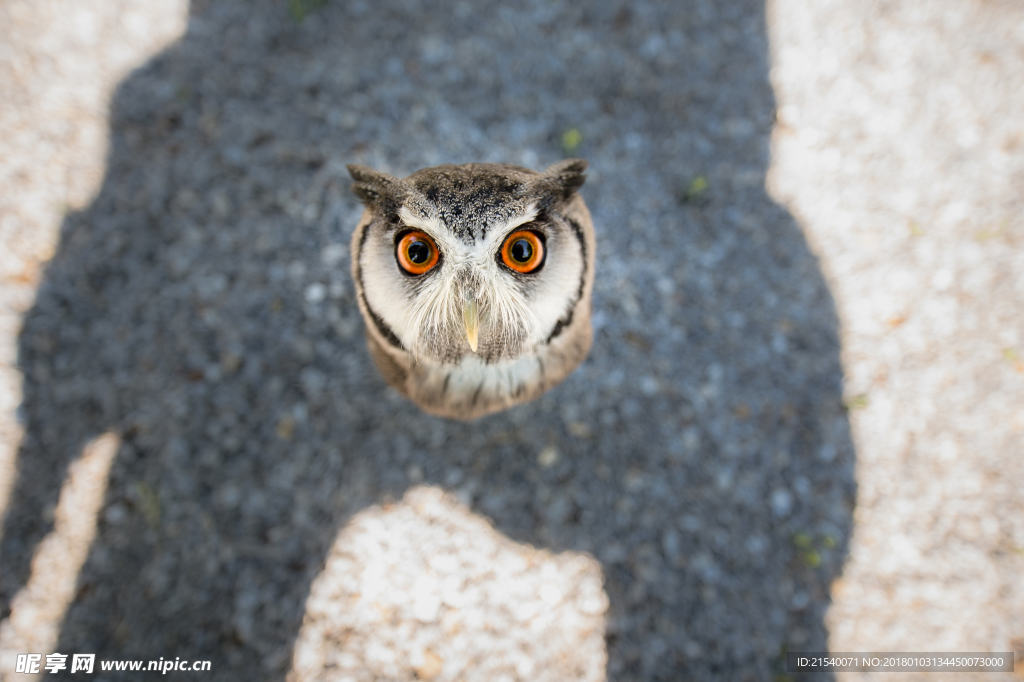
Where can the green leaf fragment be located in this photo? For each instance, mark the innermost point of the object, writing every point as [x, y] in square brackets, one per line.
[149, 503]
[811, 559]
[698, 186]
[856, 402]
[571, 139]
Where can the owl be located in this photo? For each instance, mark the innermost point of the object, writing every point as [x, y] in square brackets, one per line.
[474, 281]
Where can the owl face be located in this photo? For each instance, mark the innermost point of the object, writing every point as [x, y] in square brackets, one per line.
[480, 260]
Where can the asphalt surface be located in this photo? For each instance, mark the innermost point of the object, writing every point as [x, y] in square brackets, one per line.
[201, 309]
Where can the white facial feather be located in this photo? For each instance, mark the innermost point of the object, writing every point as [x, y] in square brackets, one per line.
[431, 321]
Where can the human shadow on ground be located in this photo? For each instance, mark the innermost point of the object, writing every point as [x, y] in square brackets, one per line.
[201, 309]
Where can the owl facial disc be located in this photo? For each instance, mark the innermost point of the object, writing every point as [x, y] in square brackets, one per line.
[475, 281]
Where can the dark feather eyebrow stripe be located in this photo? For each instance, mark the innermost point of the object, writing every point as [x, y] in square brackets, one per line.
[566, 319]
[382, 327]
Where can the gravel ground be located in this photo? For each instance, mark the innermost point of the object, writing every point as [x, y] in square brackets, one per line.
[800, 427]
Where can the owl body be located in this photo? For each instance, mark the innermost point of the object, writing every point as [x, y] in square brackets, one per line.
[474, 282]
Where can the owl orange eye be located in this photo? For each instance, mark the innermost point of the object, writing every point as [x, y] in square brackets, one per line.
[416, 252]
[523, 251]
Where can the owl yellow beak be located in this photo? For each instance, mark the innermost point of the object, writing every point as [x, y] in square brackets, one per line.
[471, 318]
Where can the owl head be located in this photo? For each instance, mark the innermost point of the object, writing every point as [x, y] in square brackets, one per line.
[486, 260]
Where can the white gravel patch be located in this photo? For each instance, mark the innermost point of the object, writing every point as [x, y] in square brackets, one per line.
[900, 148]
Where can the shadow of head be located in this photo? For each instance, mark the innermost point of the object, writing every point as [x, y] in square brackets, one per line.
[201, 308]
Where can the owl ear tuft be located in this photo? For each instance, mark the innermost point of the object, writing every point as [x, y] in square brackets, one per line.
[560, 180]
[375, 189]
